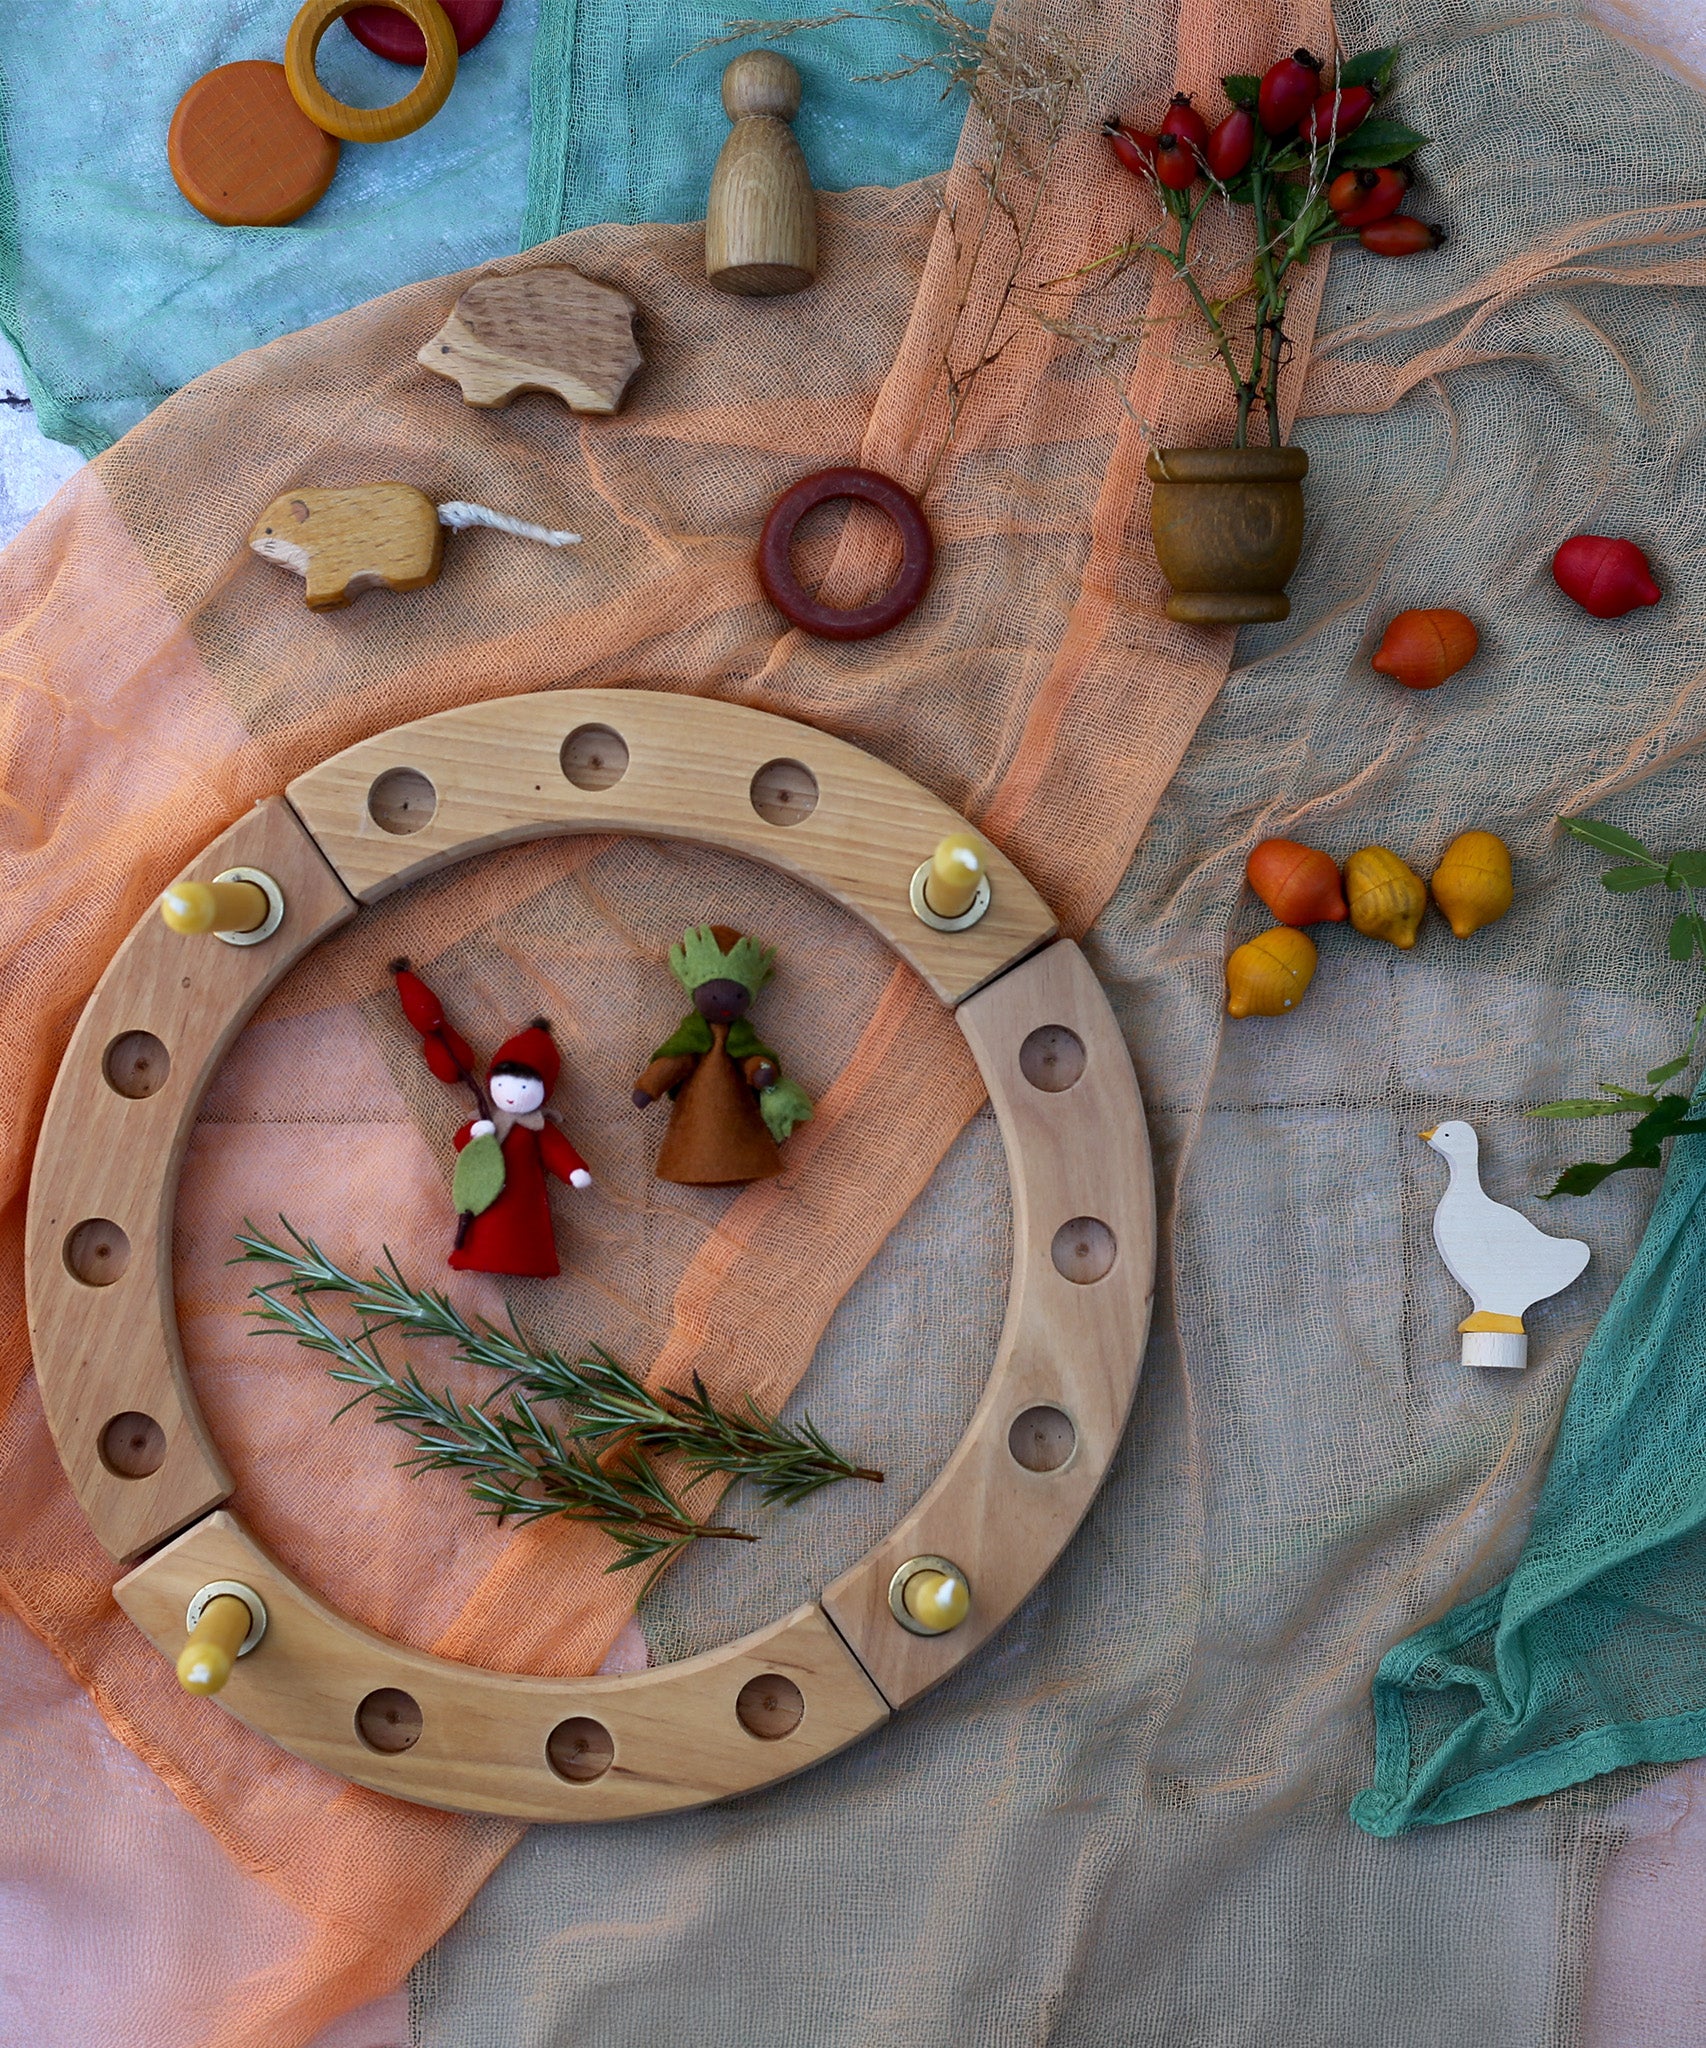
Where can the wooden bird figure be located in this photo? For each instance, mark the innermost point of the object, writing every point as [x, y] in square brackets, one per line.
[1501, 1261]
[548, 329]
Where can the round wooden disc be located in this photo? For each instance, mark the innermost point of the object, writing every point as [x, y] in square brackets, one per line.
[388, 32]
[244, 153]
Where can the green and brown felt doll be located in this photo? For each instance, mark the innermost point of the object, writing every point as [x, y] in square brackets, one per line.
[732, 1109]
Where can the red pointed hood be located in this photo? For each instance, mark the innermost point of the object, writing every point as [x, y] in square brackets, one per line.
[532, 1048]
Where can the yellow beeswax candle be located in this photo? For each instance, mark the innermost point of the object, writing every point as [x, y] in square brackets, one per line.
[204, 1663]
[214, 906]
[956, 869]
[937, 1601]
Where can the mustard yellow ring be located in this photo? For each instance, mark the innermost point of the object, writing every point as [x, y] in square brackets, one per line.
[370, 124]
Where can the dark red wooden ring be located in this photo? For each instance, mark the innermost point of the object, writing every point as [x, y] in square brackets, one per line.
[844, 622]
[390, 34]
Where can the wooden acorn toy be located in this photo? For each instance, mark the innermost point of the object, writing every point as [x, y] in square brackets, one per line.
[761, 216]
[507, 1148]
[548, 329]
[732, 1109]
[372, 537]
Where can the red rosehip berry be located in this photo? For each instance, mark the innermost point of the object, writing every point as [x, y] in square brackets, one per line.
[1605, 577]
[1400, 234]
[1230, 146]
[1187, 124]
[1335, 114]
[1175, 162]
[1360, 197]
[1289, 89]
[1135, 150]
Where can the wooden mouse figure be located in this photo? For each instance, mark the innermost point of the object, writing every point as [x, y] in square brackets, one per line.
[732, 1109]
[507, 1148]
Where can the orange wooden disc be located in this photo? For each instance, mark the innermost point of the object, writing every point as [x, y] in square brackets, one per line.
[244, 153]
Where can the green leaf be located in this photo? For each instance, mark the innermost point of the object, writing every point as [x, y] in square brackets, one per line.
[1608, 838]
[1685, 936]
[1629, 1094]
[1670, 1070]
[479, 1177]
[1291, 196]
[1242, 90]
[1624, 881]
[1377, 144]
[1687, 871]
[1583, 1179]
[1373, 69]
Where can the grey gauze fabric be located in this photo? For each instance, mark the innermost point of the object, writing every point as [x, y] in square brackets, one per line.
[1124, 1824]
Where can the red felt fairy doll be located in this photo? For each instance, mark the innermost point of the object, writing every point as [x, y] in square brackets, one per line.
[504, 1152]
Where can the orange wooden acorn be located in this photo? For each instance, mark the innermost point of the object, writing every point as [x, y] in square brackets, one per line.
[1422, 648]
[1299, 884]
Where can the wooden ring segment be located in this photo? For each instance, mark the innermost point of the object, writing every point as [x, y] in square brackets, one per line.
[403, 805]
[370, 124]
[843, 622]
[389, 33]
[243, 152]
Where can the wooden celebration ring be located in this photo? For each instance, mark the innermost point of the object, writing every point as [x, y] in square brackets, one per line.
[371, 820]
[843, 622]
[370, 124]
[390, 34]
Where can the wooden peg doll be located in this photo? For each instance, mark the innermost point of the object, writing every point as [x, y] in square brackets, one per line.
[761, 216]
[732, 1109]
[507, 1148]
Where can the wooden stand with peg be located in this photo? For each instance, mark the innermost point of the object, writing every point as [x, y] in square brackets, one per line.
[761, 217]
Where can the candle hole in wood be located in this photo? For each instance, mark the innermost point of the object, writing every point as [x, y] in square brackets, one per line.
[580, 1749]
[136, 1065]
[784, 792]
[770, 1706]
[96, 1252]
[1083, 1250]
[594, 757]
[401, 801]
[389, 1720]
[133, 1446]
[1052, 1058]
[1042, 1439]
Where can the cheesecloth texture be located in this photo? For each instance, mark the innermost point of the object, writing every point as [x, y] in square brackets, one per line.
[116, 291]
[1126, 1820]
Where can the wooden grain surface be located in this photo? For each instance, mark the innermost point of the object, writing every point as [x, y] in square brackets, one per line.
[244, 153]
[676, 1733]
[344, 541]
[1078, 1157]
[546, 330]
[370, 124]
[671, 767]
[110, 1157]
[761, 214]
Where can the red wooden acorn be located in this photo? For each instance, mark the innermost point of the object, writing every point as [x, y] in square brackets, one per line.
[507, 1148]
[1606, 577]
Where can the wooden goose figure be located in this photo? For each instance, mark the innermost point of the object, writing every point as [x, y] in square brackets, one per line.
[1500, 1260]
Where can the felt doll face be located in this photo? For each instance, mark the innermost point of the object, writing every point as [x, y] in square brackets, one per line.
[520, 1094]
[721, 1002]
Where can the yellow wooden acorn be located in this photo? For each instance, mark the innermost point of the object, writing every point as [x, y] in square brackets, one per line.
[1268, 975]
[1472, 884]
[1387, 897]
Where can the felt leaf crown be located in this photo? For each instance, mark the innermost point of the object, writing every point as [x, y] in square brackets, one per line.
[715, 953]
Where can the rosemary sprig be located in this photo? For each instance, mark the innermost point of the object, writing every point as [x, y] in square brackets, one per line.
[520, 1467]
[605, 1403]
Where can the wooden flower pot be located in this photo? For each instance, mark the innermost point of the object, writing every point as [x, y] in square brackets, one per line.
[1228, 527]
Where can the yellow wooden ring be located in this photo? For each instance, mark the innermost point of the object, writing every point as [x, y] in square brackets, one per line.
[390, 811]
[370, 124]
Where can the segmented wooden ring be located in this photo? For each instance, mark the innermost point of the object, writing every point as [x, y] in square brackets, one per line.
[844, 622]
